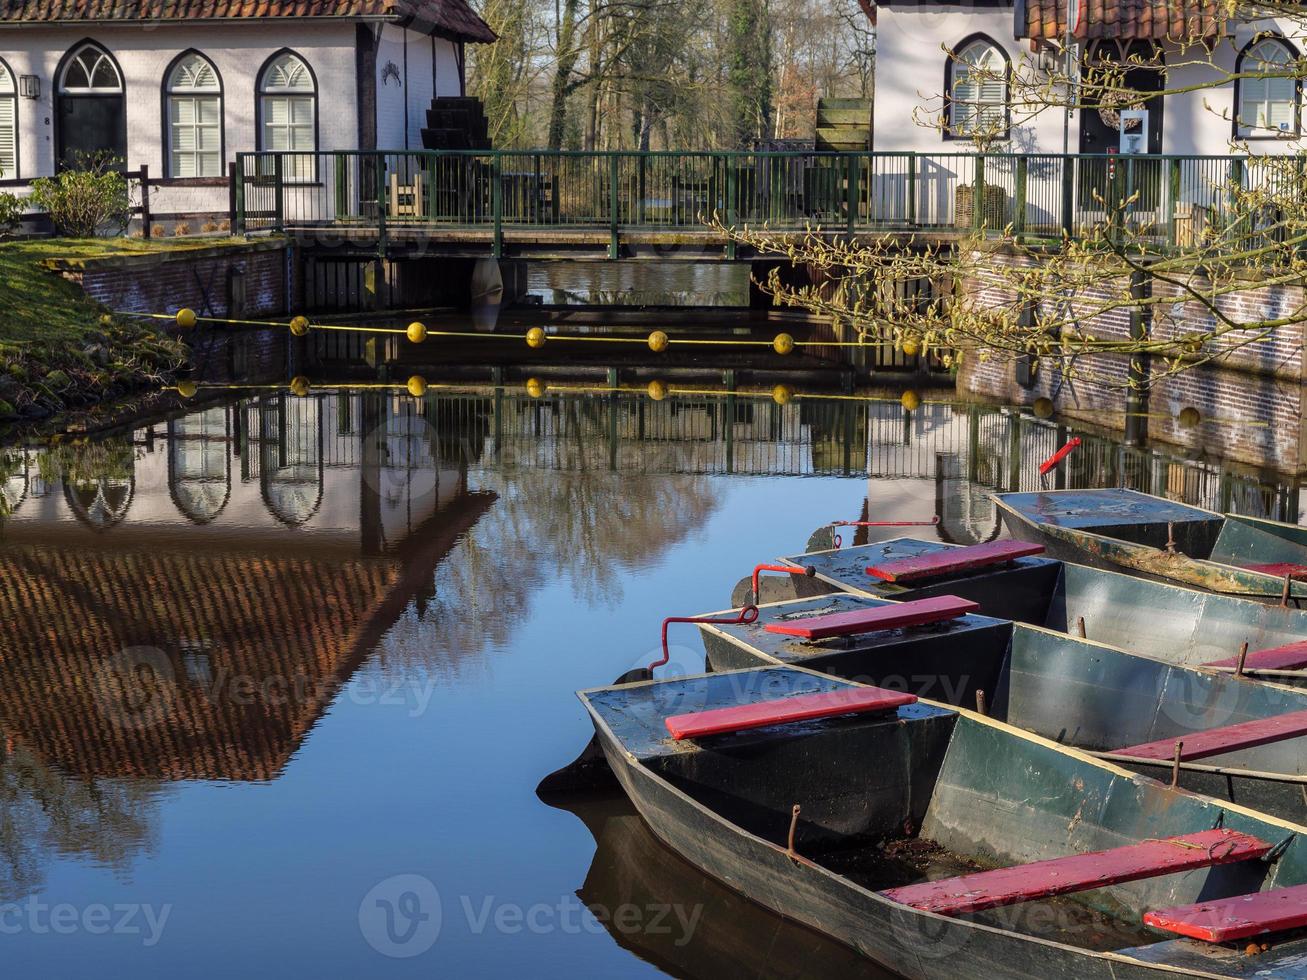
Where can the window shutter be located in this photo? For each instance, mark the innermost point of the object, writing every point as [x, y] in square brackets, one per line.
[8, 138]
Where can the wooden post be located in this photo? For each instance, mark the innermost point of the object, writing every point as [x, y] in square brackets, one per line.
[614, 204]
[1019, 217]
[146, 219]
[497, 203]
[1172, 199]
[238, 183]
[1243, 659]
[278, 190]
[1068, 195]
[851, 194]
[912, 189]
[1175, 766]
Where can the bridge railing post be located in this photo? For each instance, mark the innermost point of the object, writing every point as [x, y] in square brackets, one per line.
[732, 210]
[279, 192]
[238, 196]
[850, 194]
[614, 160]
[497, 202]
[379, 172]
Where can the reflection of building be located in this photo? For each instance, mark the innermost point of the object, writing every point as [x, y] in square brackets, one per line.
[261, 575]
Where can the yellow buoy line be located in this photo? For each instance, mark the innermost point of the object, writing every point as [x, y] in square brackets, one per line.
[417, 332]
[658, 390]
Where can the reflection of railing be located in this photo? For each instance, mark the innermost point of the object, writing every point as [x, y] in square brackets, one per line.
[1178, 200]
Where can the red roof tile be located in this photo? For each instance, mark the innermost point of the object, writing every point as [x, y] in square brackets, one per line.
[452, 18]
[1151, 20]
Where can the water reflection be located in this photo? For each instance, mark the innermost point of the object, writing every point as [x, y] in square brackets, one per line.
[708, 931]
[186, 604]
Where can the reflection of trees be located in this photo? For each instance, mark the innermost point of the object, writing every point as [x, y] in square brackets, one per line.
[44, 812]
[590, 528]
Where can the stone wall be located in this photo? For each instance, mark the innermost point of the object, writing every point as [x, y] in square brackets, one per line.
[246, 280]
[1250, 399]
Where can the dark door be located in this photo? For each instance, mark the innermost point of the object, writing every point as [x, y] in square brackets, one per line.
[1100, 133]
[89, 125]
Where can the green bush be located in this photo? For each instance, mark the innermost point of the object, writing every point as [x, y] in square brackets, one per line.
[11, 211]
[83, 201]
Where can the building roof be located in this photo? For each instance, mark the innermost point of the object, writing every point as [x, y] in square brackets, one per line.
[448, 18]
[1127, 20]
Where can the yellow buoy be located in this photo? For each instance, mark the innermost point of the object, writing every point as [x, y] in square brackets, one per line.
[299, 326]
[658, 341]
[658, 390]
[783, 343]
[186, 318]
[911, 348]
[186, 389]
[299, 386]
[782, 394]
[417, 386]
[1189, 417]
[535, 387]
[910, 401]
[1043, 408]
[535, 337]
[417, 332]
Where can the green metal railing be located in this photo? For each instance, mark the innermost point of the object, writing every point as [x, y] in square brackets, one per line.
[1173, 200]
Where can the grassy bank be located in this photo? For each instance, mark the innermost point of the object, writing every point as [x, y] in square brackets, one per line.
[58, 349]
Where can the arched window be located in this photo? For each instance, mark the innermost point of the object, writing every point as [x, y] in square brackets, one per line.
[8, 124]
[976, 82]
[194, 99]
[288, 114]
[1267, 108]
[90, 70]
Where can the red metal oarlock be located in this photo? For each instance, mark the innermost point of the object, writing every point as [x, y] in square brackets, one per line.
[746, 616]
[1051, 463]
[807, 571]
[839, 540]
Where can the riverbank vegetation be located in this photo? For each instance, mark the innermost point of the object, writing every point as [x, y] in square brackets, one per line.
[58, 349]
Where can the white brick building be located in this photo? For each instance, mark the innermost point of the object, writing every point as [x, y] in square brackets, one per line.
[181, 86]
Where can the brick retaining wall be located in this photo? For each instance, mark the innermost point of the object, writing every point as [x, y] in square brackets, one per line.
[243, 280]
[1251, 402]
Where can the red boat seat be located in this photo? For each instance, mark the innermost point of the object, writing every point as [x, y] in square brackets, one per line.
[780, 711]
[1218, 741]
[1079, 872]
[1228, 919]
[1279, 569]
[952, 560]
[1291, 656]
[918, 612]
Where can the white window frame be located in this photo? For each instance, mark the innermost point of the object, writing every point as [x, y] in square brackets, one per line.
[967, 110]
[90, 68]
[8, 124]
[295, 88]
[1266, 93]
[184, 87]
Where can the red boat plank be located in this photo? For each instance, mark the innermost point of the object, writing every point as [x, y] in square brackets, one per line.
[780, 711]
[1291, 656]
[953, 560]
[918, 612]
[1279, 569]
[1228, 919]
[1079, 872]
[1218, 741]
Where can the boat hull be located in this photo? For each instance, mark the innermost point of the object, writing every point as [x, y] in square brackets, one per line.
[913, 944]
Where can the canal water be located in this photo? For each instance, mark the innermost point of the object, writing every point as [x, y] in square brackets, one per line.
[278, 677]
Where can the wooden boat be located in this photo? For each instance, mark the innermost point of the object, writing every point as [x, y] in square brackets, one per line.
[1162, 539]
[1125, 706]
[1177, 625]
[945, 845]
